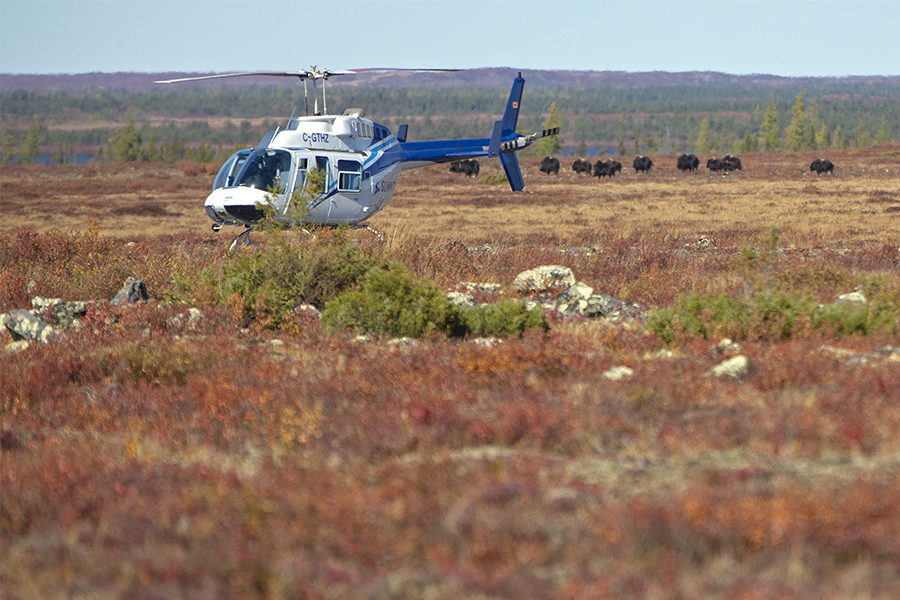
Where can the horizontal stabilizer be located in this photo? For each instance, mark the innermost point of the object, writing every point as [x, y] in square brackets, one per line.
[544, 133]
[521, 142]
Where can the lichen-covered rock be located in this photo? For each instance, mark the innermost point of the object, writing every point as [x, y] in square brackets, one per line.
[857, 297]
[26, 326]
[737, 368]
[601, 305]
[619, 373]
[61, 313]
[548, 278]
[461, 299]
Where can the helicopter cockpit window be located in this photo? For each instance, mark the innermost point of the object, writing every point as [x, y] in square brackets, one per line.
[266, 170]
[349, 175]
[230, 169]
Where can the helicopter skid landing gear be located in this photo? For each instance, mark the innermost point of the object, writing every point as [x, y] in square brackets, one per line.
[374, 231]
[377, 234]
[245, 236]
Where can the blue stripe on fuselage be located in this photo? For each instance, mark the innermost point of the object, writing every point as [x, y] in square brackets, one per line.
[438, 151]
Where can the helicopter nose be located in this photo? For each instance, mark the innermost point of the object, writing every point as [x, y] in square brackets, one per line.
[237, 204]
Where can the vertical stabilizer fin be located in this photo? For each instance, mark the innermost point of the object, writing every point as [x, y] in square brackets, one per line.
[511, 116]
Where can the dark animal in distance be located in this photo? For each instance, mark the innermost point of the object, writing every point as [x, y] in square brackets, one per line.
[468, 166]
[642, 163]
[729, 162]
[688, 162]
[549, 165]
[582, 166]
[822, 165]
[714, 164]
[607, 168]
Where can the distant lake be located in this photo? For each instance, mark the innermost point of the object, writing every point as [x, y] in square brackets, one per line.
[80, 159]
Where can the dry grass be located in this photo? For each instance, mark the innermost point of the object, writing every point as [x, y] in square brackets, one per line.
[860, 202]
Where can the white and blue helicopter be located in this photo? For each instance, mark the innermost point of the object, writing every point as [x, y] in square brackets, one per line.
[361, 160]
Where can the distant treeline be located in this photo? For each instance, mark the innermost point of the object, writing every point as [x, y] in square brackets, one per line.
[650, 119]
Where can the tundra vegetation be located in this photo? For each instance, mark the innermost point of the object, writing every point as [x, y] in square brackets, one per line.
[222, 440]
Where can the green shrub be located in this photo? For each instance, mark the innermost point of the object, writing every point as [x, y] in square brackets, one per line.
[271, 282]
[776, 315]
[392, 303]
[701, 316]
[504, 318]
[770, 316]
[494, 179]
[848, 318]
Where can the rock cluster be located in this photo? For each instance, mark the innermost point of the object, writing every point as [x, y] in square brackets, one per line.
[851, 357]
[553, 288]
[44, 321]
[556, 289]
[48, 317]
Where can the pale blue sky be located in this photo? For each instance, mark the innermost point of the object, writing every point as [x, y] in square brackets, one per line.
[785, 37]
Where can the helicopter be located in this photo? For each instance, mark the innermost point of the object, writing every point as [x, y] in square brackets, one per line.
[361, 160]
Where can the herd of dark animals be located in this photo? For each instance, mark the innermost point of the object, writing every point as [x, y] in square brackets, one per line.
[641, 164]
[685, 163]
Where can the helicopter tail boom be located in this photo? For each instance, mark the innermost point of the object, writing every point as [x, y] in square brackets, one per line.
[503, 143]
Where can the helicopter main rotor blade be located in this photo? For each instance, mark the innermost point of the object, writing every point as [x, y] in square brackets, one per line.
[314, 73]
[389, 69]
[299, 74]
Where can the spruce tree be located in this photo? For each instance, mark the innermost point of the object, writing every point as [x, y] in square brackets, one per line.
[7, 147]
[862, 135]
[550, 145]
[751, 143]
[620, 148]
[150, 153]
[125, 144]
[823, 138]
[796, 131]
[32, 150]
[581, 149]
[204, 153]
[769, 129]
[883, 137]
[839, 141]
[702, 145]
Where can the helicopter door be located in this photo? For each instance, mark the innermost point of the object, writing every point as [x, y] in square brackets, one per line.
[322, 165]
[300, 180]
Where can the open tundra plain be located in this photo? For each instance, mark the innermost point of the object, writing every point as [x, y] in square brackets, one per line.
[732, 431]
